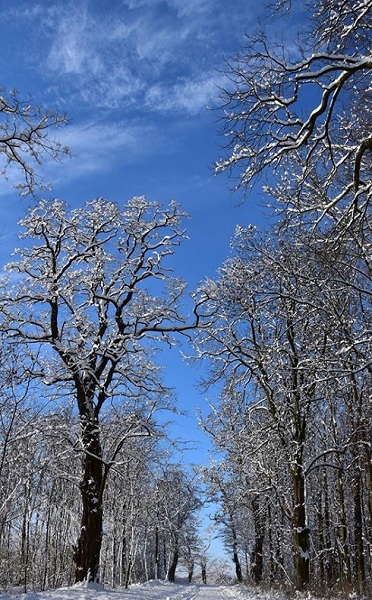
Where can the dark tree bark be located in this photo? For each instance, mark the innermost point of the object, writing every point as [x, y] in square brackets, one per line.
[236, 561]
[256, 556]
[88, 547]
[343, 530]
[171, 575]
[301, 536]
[157, 553]
[204, 571]
[190, 572]
[360, 572]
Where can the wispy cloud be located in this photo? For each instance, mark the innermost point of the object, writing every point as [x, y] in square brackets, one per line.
[187, 96]
[142, 54]
[98, 147]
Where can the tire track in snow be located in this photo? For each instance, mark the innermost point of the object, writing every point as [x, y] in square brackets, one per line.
[189, 593]
[205, 592]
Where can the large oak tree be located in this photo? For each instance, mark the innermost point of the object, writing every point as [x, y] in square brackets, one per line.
[94, 296]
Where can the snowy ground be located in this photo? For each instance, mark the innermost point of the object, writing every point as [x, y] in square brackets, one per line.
[152, 590]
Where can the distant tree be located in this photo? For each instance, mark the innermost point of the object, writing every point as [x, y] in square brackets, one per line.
[223, 487]
[190, 545]
[38, 477]
[25, 140]
[179, 502]
[219, 571]
[80, 299]
[19, 464]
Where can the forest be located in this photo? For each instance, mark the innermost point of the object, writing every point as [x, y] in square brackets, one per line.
[91, 489]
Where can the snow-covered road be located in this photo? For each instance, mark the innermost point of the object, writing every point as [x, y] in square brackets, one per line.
[199, 592]
[164, 591]
[212, 592]
[152, 590]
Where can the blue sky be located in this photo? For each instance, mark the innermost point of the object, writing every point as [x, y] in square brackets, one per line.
[137, 78]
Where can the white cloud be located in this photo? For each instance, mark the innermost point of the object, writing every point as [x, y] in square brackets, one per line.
[132, 54]
[182, 7]
[72, 49]
[192, 7]
[98, 147]
[109, 61]
[87, 44]
[190, 95]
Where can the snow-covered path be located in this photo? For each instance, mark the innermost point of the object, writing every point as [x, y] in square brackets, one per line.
[157, 590]
[152, 590]
[199, 592]
[209, 592]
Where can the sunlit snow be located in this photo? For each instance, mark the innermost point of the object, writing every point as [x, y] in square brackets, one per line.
[152, 590]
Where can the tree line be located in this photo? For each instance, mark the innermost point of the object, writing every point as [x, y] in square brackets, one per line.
[287, 322]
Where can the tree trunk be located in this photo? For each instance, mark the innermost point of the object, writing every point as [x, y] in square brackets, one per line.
[300, 529]
[190, 571]
[368, 472]
[173, 566]
[360, 574]
[256, 559]
[256, 556]
[342, 530]
[236, 561]
[204, 571]
[321, 547]
[114, 561]
[157, 554]
[88, 547]
[128, 571]
[25, 548]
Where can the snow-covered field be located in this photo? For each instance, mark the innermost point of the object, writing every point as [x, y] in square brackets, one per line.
[152, 590]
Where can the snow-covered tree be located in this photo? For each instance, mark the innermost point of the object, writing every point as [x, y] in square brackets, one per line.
[25, 140]
[281, 331]
[301, 113]
[294, 337]
[178, 503]
[94, 297]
